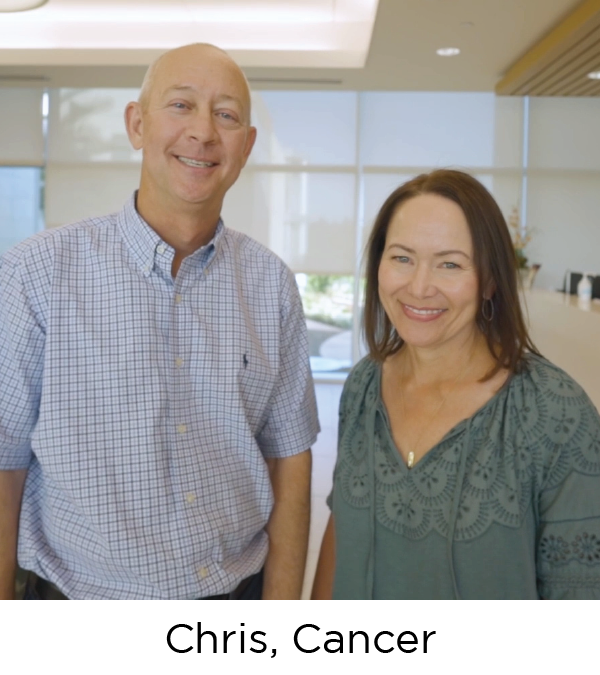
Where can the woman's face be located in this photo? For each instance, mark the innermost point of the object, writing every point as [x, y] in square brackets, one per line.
[428, 283]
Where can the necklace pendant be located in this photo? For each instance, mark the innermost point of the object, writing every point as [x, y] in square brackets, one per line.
[410, 460]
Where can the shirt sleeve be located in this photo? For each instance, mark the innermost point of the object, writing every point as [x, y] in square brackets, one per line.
[292, 425]
[22, 338]
[568, 542]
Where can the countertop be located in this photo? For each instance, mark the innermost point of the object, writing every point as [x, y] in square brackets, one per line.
[568, 334]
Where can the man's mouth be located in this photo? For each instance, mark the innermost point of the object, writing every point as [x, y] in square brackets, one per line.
[196, 162]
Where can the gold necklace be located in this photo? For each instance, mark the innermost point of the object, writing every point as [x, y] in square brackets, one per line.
[410, 459]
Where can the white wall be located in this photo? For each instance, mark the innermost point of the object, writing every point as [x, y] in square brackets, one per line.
[564, 214]
[563, 207]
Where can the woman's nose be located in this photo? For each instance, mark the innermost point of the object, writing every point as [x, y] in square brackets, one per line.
[421, 282]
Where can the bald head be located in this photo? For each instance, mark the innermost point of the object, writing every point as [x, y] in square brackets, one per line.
[198, 55]
[192, 124]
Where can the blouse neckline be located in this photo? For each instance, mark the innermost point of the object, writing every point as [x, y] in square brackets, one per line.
[454, 431]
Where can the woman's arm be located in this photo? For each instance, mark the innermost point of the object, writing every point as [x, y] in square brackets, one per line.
[11, 492]
[323, 583]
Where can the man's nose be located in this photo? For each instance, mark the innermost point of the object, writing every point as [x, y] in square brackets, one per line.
[202, 126]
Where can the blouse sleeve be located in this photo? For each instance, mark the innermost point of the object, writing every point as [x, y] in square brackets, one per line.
[351, 407]
[568, 541]
[342, 413]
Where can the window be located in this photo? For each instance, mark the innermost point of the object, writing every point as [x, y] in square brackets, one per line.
[20, 204]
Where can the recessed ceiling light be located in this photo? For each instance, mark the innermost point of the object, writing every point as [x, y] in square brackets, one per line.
[20, 5]
[595, 75]
[448, 51]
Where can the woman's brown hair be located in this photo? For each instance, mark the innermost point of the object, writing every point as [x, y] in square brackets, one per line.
[505, 332]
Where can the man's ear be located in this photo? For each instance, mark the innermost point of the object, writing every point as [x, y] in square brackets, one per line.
[134, 124]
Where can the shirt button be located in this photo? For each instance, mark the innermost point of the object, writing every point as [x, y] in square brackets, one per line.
[179, 362]
[161, 249]
[181, 428]
[190, 498]
[203, 572]
[178, 299]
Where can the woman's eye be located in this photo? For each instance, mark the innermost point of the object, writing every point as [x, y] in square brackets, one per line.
[450, 266]
[401, 258]
[179, 105]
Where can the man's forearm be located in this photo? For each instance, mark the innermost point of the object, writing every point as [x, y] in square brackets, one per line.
[11, 492]
[288, 527]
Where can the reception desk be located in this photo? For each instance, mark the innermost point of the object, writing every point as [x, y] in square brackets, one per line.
[567, 334]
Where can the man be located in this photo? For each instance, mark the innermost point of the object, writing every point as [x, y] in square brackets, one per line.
[156, 402]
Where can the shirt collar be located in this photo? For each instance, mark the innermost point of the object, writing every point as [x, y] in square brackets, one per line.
[145, 244]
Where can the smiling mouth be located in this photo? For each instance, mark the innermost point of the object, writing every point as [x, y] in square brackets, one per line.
[196, 163]
[424, 312]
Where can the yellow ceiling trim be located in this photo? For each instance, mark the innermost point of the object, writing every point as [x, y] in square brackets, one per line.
[548, 46]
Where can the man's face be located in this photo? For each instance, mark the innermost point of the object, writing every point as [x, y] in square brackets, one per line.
[193, 129]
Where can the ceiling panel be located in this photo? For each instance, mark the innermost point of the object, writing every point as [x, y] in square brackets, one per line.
[559, 63]
[258, 33]
[329, 47]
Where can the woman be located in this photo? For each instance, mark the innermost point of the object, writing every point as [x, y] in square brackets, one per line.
[468, 465]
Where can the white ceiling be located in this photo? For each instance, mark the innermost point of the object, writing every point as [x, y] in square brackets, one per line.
[305, 33]
[280, 43]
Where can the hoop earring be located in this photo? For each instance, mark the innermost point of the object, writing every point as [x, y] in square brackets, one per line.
[484, 305]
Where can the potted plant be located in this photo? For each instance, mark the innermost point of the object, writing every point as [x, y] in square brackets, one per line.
[520, 239]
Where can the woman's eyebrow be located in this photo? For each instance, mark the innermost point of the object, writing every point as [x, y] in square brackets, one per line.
[452, 251]
[404, 248]
[438, 255]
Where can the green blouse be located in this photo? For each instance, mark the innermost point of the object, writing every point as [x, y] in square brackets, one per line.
[506, 505]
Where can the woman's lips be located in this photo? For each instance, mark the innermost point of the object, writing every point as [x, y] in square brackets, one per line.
[422, 313]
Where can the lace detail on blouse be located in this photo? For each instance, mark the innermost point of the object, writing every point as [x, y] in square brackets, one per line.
[540, 427]
[584, 548]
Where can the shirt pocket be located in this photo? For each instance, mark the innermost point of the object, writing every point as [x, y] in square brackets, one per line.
[256, 383]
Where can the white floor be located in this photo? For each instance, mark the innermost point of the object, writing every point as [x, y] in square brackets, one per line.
[324, 452]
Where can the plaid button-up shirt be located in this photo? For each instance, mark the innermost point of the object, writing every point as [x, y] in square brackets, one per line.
[144, 406]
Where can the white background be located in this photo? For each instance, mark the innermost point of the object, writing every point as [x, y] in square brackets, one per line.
[130, 637]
